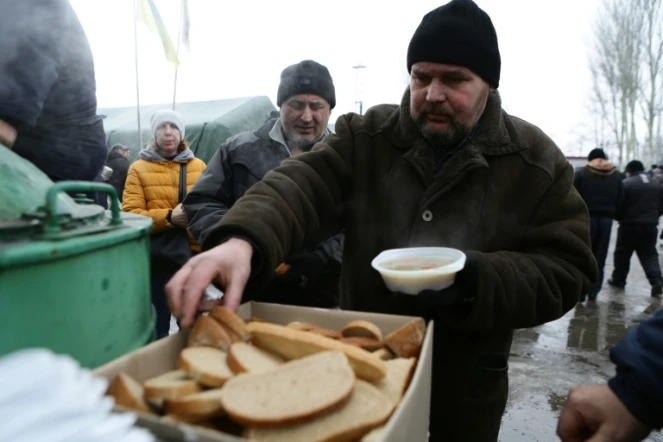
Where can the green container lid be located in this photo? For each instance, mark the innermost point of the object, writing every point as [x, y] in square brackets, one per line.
[37, 216]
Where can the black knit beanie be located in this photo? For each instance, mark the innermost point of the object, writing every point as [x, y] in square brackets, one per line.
[458, 33]
[596, 153]
[306, 77]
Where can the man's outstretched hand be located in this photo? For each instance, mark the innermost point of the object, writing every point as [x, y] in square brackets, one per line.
[228, 265]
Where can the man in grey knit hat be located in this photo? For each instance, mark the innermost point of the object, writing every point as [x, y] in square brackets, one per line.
[306, 96]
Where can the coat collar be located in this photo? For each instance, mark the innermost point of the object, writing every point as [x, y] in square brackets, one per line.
[495, 134]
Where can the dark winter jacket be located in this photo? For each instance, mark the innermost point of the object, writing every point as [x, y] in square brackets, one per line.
[120, 166]
[643, 200]
[241, 162]
[600, 185]
[506, 199]
[639, 379]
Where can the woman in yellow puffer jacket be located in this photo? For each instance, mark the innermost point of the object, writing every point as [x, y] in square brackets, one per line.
[152, 189]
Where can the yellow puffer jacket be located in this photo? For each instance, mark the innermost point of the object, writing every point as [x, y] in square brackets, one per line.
[152, 187]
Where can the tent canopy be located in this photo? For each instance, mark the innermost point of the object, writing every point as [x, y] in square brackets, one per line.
[208, 123]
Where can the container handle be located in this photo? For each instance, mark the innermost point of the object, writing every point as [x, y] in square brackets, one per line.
[52, 224]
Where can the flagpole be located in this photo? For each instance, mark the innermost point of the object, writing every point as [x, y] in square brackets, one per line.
[140, 131]
[179, 37]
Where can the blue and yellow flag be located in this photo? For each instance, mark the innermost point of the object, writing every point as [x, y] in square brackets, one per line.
[148, 14]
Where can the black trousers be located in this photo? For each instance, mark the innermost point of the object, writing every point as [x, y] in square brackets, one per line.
[641, 239]
[600, 230]
[160, 274]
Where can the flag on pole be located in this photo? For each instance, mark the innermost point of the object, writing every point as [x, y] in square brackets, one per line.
[186, 24]
[148, 14]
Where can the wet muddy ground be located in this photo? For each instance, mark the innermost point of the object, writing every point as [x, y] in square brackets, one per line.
[547, 361]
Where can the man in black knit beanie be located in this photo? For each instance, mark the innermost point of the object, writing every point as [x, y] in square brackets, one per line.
[447, 168]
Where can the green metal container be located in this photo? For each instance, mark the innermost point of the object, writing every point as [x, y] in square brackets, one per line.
[74, 278]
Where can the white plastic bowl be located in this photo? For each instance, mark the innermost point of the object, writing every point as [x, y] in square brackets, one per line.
[412, 282]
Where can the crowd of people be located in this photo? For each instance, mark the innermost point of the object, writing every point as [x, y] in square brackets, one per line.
[291, 213]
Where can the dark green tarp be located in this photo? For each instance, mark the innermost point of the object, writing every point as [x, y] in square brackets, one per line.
[208, 123]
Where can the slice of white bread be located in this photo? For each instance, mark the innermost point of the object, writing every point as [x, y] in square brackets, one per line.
[206, 365]
[384, 353]
[363, 329]
[294, 344]
[209, 333]
[295, 391]
[369, 344]
[376, 435]
[326, 332]
[367, 408]
[406, 341]
[233, 324]
[171, 385]
[196, 407]
[128, 393]
[243, 357]
[399, 373]
[305, 326]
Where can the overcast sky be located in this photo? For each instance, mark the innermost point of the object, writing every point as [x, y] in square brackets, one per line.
[239, 49]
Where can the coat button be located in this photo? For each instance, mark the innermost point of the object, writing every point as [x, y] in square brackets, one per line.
[427, 215]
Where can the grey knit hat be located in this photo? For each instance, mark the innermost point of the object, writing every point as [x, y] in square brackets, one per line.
[306, 77]
[166, 116]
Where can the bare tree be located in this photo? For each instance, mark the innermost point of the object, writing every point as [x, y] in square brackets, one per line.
[651, 93]
[615, 63]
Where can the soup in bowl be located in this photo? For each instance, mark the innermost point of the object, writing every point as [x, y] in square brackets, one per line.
[412, 270]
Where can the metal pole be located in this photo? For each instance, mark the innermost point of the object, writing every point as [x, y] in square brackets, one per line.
[140, 131]
[179, 37]
[360, 101]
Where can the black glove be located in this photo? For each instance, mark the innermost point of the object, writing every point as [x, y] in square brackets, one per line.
[306, 269]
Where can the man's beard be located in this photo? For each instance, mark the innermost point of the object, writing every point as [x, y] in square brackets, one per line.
[302, 143]
[451, 137]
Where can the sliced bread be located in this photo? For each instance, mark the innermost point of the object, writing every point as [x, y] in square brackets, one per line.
[233, 324]
[206, 365]
[294, 344]
[201, 406]
[295, 391]
[243, 357]
[399, 373]
[369, 344]
[376, 435]
[128, 393]
[171, 385]
[362, 329]
[209, 333]
[367, 408]
[406, 341]
[384, 353]
[305, 326]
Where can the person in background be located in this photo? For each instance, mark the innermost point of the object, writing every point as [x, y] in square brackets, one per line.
[652, 169]
[450, 168]
[638, 228]
[630, 406]
[600, 185]
[118, 161]
[306, 97]
[152, 189]
[48, 104]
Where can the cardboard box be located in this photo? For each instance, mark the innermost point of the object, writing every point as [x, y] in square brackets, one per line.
[409, 421]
